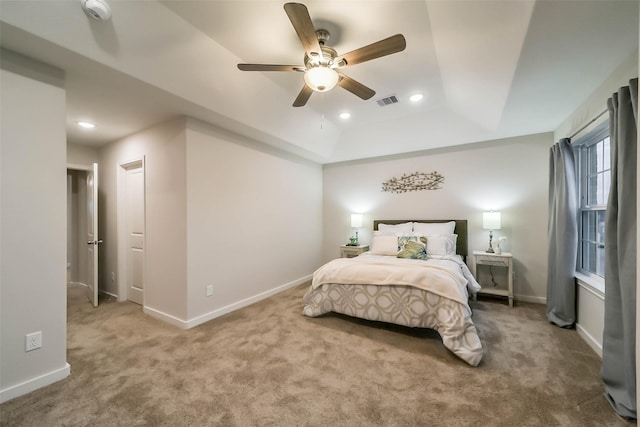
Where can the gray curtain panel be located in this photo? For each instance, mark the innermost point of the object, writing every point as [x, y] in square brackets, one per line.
[619, 335]
[563, 235]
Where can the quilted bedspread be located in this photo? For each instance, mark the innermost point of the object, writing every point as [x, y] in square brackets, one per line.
[415, 293]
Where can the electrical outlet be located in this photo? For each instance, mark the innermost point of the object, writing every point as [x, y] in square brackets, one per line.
[33, 341]
[209, 290]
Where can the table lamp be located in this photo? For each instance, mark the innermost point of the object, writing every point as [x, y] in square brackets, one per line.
[491, 221]
[356, 222]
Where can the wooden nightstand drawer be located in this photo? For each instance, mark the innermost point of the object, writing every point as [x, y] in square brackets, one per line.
[492, 260]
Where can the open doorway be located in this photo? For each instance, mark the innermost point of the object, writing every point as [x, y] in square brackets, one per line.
[76, 221]
[82, 230]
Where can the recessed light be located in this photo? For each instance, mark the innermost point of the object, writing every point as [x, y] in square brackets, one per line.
[416, 97]
[86, 125]
[345, 116]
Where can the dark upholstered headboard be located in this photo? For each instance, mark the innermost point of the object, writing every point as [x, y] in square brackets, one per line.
[460, 230]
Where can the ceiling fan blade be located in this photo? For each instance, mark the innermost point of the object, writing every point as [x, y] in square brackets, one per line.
[375, 50]
[301, 21]
[303, 96]
[355, 87]
[269, 67]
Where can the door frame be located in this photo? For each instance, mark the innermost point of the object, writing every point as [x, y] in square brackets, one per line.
[121, 174]
[83, 168]
[92, 291]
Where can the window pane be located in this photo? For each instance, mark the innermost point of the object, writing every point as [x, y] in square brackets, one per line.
[592, 190]
[589, 225]
[606, 186]
[589, 256]
[607, 153]
[592, 160]
[600, 190]
[600, 227]
[600, 156]
[600, 261]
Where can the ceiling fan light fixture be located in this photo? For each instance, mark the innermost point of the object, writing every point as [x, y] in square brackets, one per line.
[321, 61]
[321, 79]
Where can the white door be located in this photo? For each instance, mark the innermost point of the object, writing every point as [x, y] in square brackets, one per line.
[92, 235]
[134, 193]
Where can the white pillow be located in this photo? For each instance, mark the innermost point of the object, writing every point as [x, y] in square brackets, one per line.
[434, 227]
[396, 229]
[386, 244]
[440, 244]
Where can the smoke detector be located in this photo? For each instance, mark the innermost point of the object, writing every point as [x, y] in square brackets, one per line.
[97, 9]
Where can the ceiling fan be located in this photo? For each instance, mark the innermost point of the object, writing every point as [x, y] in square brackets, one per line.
[322, 64]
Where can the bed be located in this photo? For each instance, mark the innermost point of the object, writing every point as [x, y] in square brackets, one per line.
[414, 275]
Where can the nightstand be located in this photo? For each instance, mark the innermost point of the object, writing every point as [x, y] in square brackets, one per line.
[347, 251]
[504, 260]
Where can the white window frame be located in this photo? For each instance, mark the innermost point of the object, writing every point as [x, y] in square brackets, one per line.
[580, 146]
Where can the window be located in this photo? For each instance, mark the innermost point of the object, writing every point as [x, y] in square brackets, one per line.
[594, 172]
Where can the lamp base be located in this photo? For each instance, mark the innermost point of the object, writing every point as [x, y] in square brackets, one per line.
[353, 241]
[490, 250]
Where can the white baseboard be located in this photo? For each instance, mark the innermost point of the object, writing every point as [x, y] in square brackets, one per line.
[109, 294]
[245, 302]
[168, 318]
[593, 343]
[529, 298]
[84, 285]
[188, 324]
[34, 383]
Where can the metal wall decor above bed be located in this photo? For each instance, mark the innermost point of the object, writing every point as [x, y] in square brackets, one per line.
[414, 182]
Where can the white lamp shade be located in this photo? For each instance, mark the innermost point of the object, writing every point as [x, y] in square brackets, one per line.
[321, 79]
[491, 220]
[356, 220]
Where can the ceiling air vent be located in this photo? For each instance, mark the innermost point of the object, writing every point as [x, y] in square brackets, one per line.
[387, 101]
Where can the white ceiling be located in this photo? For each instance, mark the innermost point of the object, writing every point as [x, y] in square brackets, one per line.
[488, 69]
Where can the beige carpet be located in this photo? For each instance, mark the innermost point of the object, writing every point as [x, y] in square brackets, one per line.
[269, 365]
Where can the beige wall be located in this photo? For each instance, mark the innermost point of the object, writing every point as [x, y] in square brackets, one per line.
[163, 147]
[221, 210]
[508, 175]
[81, 155]
[254, 220]
[33, 225]
[596, 103]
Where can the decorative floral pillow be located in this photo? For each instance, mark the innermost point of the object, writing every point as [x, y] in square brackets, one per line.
[414, 247]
